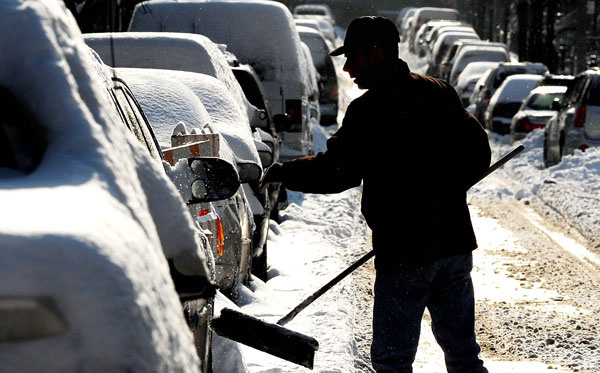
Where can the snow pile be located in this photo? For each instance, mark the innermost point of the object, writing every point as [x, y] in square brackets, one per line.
[309, 244]
[108, 276]
[571, 187]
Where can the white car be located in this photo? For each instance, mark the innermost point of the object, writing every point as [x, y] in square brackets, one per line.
[201, 103]
[507, 100]
[535, 111]
[468, 79]
[476, 53]
[79, 292]
[442, 44]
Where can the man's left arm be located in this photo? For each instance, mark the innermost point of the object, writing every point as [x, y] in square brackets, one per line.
[469, 143]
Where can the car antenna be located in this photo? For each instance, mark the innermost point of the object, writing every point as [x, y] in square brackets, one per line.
[112, 46]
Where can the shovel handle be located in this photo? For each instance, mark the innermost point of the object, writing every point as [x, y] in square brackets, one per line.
[287, 318]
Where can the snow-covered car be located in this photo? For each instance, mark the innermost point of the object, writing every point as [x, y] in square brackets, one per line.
[171, 51]
[425, 14]
[497, 76]
[507, 100]
[196, 53]
[468, 79]
[423, 37]
[476, 53]
[313, 87]
[201, 179]
[97, 249]
[202, 104]
[269, 132]
[450, 26]
[326, 25]
[557, 79]
[328, 81]
[442, 44]
[576, 125]
[276, 56]
[535, 111]
[315, 25]
[443, 70]
[321, 10]
[404, 24]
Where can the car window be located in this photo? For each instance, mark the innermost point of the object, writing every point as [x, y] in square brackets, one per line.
[22, 139]
[542, 101]
[134, 120]
[593, 96]
[574, 96]
[250, 88]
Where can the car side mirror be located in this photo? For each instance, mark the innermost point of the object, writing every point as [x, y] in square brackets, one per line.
[266, 157]
[282, 122]
[265, 153]
[249, 172]
[259, 119]
[556, 104]
[213, 179]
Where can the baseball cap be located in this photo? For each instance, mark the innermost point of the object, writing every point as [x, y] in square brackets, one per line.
[368, 31]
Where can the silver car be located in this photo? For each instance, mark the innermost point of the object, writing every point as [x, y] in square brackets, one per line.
[576, 125]
[535, 111]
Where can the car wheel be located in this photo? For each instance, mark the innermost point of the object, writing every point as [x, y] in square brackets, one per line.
[198, 315]
[259, 264]
[545, 151]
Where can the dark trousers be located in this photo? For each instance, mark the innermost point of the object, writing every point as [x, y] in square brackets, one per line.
[401, 295]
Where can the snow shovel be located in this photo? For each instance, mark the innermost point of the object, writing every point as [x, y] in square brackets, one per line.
[287, 344]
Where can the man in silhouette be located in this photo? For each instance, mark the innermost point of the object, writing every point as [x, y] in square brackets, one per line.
[416, 152]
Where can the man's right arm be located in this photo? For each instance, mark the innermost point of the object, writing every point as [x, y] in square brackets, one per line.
[330, 171]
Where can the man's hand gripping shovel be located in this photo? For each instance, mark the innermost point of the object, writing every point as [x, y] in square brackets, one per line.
[276, 340]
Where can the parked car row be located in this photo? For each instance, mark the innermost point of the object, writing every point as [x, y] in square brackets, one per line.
[506, 96]
[164, 130]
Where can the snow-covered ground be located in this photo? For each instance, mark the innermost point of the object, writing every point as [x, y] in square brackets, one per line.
[320, 235]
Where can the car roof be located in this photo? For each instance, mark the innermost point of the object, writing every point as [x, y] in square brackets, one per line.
[545, 89]
[275, 55]
[167, 50]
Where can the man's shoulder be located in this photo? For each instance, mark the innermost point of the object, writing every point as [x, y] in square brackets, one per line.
[430, 82]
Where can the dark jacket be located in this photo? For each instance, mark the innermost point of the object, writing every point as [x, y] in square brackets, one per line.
[416, 151]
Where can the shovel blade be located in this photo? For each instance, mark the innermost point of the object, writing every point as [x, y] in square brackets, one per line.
[270, 338]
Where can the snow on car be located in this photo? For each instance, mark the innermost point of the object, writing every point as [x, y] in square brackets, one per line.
[535, 111]
[507, 100]
[203, 105]
[476, 53]
[171, 51]
[276, 56]
[467, 80]
[87, 227]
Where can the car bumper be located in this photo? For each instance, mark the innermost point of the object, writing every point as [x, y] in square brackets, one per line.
[501, 125]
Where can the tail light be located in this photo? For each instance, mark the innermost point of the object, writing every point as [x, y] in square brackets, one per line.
[524, 125]
[219, 236]
[293, 108]
[579, 120]
[334, 92]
